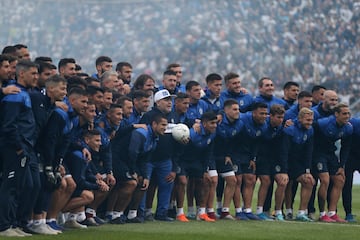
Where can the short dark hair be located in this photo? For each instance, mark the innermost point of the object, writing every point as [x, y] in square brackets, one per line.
[115, 105]
[190, 84]
[277, 109]
[230, 102]
[181, 95]
[169, 72]
[208, 116]
[76, 81]
[261, 81]
[339, 106]
[138, 94]
[92, 90]
[230, 75]
[92, 132]
[102, 59]
[55, 80]
[77, 67]
[77, 91]
[25, 65]
[172, 65]
[45, 65]
[43, 59]
[317, 88]
[3, 58]
[20, 46]
[120, 65]
[289, 84]
[157, 117]
[9, 50]
[64, 61]
[122, 99]
[91, 79]
[258, 105]
[212, 77]
[303, 94]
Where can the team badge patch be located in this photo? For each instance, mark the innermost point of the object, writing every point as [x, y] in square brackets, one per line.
[235, 168]
[320, 166]
[201, 111]
[128, 175]
[305, 137]
[241, 103]
[341, 134]
[258, 133]
[208, 141]
[277, 168]
[23, 162]
[218, 104]
[233, 132]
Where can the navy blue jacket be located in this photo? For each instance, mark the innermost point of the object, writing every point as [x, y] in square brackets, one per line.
[225, 136]
[245, 100]
[195, 111]
[269, 101]
[142, 145]
[215, 106]
[80, 171]
[297, 146]
[292, 113]
[327, 132]
[199, 149]
[320, 113]
[246, 144]
[355, 143]
[17, 121]
[269, 144]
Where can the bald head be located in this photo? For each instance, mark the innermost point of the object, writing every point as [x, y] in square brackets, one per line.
[330, 100]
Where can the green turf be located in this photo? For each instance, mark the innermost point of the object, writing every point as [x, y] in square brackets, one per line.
[221, 229]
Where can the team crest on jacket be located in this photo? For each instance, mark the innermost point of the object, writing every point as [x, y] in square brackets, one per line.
[201, 111]
[304, 137]
[208, 141]
[320, 166]
[341, 134]
[218, 103]
[235, 168]
[233, 133]
[241, 103]
[258, 133]
[277, 168]
[128, 175]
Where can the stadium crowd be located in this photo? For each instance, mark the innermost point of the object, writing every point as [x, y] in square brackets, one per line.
[83, 143]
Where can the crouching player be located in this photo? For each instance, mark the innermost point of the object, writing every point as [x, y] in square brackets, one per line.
[296, 151]
[85, 180]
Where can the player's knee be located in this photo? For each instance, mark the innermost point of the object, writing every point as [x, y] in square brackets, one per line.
[231, 181]
[88, 196]
[70, 185]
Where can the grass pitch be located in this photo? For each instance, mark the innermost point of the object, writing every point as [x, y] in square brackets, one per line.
[222, 229]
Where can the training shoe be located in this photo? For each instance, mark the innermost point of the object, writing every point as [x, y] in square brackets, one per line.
[74, 224]
[55, 226]
[172, 212]
[191, 216]
[211, 215]
[204, 217]
[303, 218]
[312, 216]
[279, 217]
[90, 222]
[135, 220]
[21, 232]
[119, 220]
[149, 217]
[326, 218]
[252, 216]
[182, 218]
[10, 232]
[99, 220]
[42, 229]
[289, 217]
[241, 216]
[263, 216]
[164, 218]
[226, 216]
[350, 218]
[336, 218]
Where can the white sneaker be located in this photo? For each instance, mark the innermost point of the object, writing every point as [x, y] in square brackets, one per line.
[53, 230]
[10, 232]
[74, 224]
[21, 232]
[41, 229]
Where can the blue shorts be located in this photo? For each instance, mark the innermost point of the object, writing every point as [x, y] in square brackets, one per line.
[221, 167]
[326, 163]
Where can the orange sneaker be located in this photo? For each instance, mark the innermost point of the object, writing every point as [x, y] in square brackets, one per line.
[182, 218]
[204, 217]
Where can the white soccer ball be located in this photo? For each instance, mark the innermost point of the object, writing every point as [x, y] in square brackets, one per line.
[180, 132]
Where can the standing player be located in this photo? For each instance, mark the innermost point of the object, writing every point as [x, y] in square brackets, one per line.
[329, 167]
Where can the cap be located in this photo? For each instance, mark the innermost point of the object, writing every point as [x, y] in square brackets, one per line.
[161, 95]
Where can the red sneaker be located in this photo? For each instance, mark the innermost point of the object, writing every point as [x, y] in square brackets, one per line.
[226, 216]
[211, 215]
[204, 217]
[336, 218]
[326, 218]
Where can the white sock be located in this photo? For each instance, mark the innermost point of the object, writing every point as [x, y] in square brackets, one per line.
[301, 212]
[109, 213]
[115, 214]
[259, 209]
[148, 211]
[180, 211]
[91, 211]
[132, 214]
[218, 205]
[331, 213]
[278, 212]
[322, 214]
[72, 217]
[50, 220]
[209, 210]
[81, 216]
[289, 210]
[238, 210]
[247, 210]
[43, 221]
[225, 209]
[201, 211]
[37, 222]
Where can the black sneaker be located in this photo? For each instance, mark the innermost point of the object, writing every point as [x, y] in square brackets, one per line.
[135, 220]
[172, 212]
[90, 222]
[99, 220]
[164, 218]
[119, 220]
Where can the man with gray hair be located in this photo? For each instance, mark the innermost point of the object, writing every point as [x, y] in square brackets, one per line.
[109, 79]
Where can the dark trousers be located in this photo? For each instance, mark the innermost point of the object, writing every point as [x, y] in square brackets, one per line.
[350, 168]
